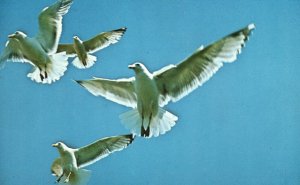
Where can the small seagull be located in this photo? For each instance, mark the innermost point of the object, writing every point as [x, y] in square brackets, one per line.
[82, 49]
[40, 51]
[68, 167]
[148, 92]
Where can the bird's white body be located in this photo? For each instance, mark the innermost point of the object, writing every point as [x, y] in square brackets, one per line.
[147, 100]
[68, 159]
[147, 95]
[33, 50]
[83, 59]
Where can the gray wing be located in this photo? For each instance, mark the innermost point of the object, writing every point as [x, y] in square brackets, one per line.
[101, 148]
[176, 81]
[50, 25]
[56, 168]
[103, 40]
[120, 91]
[68, 48]
[12, 52]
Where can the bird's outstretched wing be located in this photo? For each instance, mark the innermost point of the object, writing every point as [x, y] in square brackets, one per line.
[120, 91]
[68, 48]
[96, 43]
[103, 40]
[50, 25]
[13, 52]
[56, 168]
[101, 148]
[176, 81]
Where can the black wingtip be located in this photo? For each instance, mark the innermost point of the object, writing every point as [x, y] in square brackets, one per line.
[131, 137]
[123, 30]
[78, 82]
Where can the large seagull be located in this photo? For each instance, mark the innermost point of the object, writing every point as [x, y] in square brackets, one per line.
[148, 92]
[68, 167]
[40, 51]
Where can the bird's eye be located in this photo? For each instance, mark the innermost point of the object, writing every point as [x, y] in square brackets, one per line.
[17, 32]
[138, 64]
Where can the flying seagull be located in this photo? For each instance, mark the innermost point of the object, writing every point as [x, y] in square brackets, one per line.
[148, 92]
[82, 49]
[40, 51]
[68, 167]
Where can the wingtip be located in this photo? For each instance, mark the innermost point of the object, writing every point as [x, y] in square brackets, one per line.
[78, 82]
[123, 30]
[251, 26]
[131, 138]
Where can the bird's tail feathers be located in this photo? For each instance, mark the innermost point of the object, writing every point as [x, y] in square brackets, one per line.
[52, 71]
[79, 177]
[2, 63]
[89, 62]
[159, 125]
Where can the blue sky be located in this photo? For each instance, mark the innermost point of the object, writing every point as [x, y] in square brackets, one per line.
[241, 127]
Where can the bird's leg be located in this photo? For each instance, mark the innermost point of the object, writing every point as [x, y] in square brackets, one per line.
[84, 62]
[41, 76]
[46, 75]
[59, 178]
[142, 127]
[147, 132]
[68, 177]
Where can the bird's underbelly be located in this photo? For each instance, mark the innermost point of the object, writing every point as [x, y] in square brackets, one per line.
[147, 100]
[81, 52]
[69, 162]
[35, 54]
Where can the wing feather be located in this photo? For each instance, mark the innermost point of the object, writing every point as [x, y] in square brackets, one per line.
[68, 48]
[103, 40]
[120, 91]
[50, 24]
[13, 52]
[101, 148]
[56, 168]
[176, 81]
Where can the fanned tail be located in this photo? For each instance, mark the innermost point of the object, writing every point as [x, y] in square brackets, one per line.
[51, 71]
[78, 177]
[89, 62]
[2, 62]
[159, 125]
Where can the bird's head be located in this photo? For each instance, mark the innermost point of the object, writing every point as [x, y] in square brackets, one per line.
[59, 145]
[138, 67]
[17, 35]
[76, 39]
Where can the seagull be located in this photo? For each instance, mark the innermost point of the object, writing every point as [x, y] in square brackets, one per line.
[147, 93]
[82, 49]
[68, 167]
[40, 51]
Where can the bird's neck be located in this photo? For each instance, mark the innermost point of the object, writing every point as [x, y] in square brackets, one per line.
[143, 74]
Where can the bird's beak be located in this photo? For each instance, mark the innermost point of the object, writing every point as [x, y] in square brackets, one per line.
[131, 66]
[55, 145]
[11, 36]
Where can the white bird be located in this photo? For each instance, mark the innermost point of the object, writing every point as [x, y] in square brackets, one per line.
[68, 167]
[40, 50]
[147, 92]
[83, 49]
